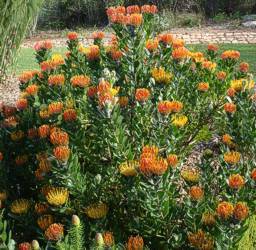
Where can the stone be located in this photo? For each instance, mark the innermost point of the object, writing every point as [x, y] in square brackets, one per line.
[249, 24]
[247, 18]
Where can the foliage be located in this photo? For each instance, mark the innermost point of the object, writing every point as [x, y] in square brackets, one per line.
[106, 133]
[16, 16]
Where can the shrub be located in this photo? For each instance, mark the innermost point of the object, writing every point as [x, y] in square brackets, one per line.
[105, 133]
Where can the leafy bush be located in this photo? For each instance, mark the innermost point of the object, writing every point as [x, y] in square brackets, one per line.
[105, 133]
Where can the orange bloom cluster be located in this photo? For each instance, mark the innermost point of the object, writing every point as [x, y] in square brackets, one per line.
[32, 133]
[98, 35]
[231, 92]
[152, 44]
[55, 108]
[227, 139]
[93, 52]
[123, 101]
[21, 160]
[198, 57]
[52, 63]
[46, 45]
[27, 75]
[178, 43]
[208, 219]
[80, 81]
[209, 65]
[1, 156]
[135, 243]
[230, 54]
[25, 246]
[241, 211]
[167, 107]
[32, 89]
[44, 131]
[150, 163]
[21, 104]
[200, 240]
[244, 67]
[54, 232]
[196, 193]
[165, 38]
[172, 160]
[221, 75]
[203, 86]
[115, 53]
[152, 9]
[72, 36]
[212, 47]
[108, 239]
[232, 157]
[180, 53]
[142, 95]
[45, 221]
[225, 210]
[59, 137]
[41, 207]
[61, 153]
[230, 107]
[56, 80]
[236, 181]
[69, 115]
[92, 91]
[17, 135]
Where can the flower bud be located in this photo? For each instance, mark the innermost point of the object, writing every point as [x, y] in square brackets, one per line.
[98, 178]
[208, 153]
[35, 245]
[75, 220]
[99, 240]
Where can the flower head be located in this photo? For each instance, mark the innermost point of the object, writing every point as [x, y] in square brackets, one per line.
[196, 193]
[45, 221]
[97, 210]
[212, 47]
[57, 196]
[142, 95]
[244, 67]
[17, 135]
[209, 65]
[43, 45]
[225, 210]
[129, 168]
[72, 36]
[135, 243]
[80, 81]
[241, 211]
[165, 38]
[208, 219]
[44, 131]
[108, 239]
[93, 52]
[151, 9]
[180, 53]
[55, 108]
[41, 207]
[200, 240]
[20, 160]
[203, 86]
[179, 120]
[135, 19]
[25, 246]
[232, 157]
[69, 115]
[123, 101]
[56, 80]
[227, 139]
[98, 35]
[230, 54]
[20, 206]
[172, 160]
[221, 75]
[166, 107]
[133, 9]
[190, 175]
[32, 89]
[161, 76]
[230, 107]
[54, 232]
[236, 181]
[152, 44]
[253, 174]
[22, 104]
[59, 138]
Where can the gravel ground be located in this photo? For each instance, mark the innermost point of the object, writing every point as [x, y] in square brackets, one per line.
[9, 91]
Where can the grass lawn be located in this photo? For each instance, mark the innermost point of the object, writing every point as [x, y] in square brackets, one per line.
[26, 60]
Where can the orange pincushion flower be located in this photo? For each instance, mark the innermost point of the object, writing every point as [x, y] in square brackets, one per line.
[165, 38]
[198, 57]
[1, 156]
[209, 65]
[232, 157]
[104, 86]
[133, 9]
[55, 108]
[231, 92]
[236, 181]
[61, 153]
[46, 65]
[17, 135]
[80, 81]
[93, 52]
[69, 115]
[221, 75]
[108, 239]
[253, 174]
[44, 165]
[92, 91]
[178, 43]
[123, 101]
[116, 54]
[24, 246]
[21, 160]
[56, 80]
[44, 131]
[230, 107]
[47, 44]
[203, 86]
[45, 221]
[41, 207]
[32, 89]
[59, 138]
[159, 167]
[225, 210]
[152, 44]
[166, 107]
[230, 54]
[208, 219]
[172, 160]
[72, 36]
[22, 104]
[135, 19]
[135, 243]
[142, 95]
[32, 133]
[8, 110]
[26, 76]
[212, 47]
[196, 193]
[227, 139]
[56, 60]
[180, 53]
[200, 240]
[152, 9]
[241, 211]
[244, 67]
[54, 232]
[150, 150]
[98, 35]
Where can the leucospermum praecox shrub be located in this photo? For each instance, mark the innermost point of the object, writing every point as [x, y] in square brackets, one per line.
[105, 133]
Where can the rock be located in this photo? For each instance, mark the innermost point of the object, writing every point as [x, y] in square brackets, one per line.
[249, 24]
[247, 18]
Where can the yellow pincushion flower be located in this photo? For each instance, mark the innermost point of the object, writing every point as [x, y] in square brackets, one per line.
[179, 120]
[57, 196]
[20, 206]
[241, 84]
[232, 157]
[97, 210]
[191, 175]
[161, 76]
[128, 168]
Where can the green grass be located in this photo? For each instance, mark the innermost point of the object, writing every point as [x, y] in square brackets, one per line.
[26, 59]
